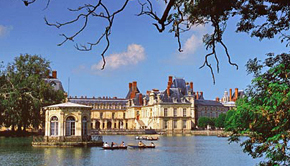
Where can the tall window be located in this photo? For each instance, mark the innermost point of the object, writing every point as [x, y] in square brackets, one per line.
[165, 124]
[175, 124]
[175, 112]
[184, 112]
[70, 126]
[165, 112]
[184, 124]
[84, 126]
[54, 126]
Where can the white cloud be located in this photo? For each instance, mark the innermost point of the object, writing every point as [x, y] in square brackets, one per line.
[190, 46]
[194, 42]
[4, 30]
[135, 53]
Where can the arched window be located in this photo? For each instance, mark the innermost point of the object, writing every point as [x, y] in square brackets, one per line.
[54, 126]
[109, 125]
[70, 126]
[98, 125]
[84, 126]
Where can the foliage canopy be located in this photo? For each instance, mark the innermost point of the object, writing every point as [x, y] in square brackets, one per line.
[265, 111]
[23, 92]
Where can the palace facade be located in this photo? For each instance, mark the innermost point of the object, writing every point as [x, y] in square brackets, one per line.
[175, 109]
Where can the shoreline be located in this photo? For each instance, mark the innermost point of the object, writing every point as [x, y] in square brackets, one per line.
[221, 133]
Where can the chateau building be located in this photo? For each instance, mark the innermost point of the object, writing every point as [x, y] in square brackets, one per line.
[106, 113]
[171, 109]
[175, 109]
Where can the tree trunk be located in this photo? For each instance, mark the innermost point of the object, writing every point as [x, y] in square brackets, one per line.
[12, 128]
[18, 128]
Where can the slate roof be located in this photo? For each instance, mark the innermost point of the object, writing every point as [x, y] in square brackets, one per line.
[99, 100]
[55, 83]
[175, 94]
[68, 105]
[180, 84]
[201, 102]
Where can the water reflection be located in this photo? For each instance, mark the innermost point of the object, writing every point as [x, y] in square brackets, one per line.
[170, 150]
[66, 156]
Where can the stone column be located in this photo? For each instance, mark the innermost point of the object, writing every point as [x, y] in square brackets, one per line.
[118, 124]
[47, 128]
[94, 124]
[113, 124]
[124, 124]
[106, 124]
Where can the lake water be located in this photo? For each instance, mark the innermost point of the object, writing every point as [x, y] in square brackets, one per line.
[170, 150]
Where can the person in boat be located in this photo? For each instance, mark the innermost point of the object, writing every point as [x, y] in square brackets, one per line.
[112, 144]
[152, 144]
[122, 144]
[106, 144]
[141, 144]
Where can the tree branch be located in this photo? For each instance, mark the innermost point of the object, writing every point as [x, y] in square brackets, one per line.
[90, 10]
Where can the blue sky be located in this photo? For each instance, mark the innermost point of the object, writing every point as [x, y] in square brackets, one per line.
[138, 52]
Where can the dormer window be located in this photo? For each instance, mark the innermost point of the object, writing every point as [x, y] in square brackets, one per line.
[52, 83]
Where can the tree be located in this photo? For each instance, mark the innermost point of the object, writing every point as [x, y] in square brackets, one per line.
[265, 111]
[24, 92]
[220, 121]
[204, 121]
[260, 18]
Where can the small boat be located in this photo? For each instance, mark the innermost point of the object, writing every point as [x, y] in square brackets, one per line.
[152, 139]
[146, 138]
[115, 147]
[140, 147]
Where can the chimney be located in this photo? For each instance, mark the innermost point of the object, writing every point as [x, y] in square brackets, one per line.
[230, 94]
[236, 93]
[217, 99]
[133, 94]
[191, 86]
[147, 92]
[54, 74]
[134, 86]
[201, 94]
[130, 86]
[134, 89]
[140, 99]
[168, 90]
[197, 97]
[170, 80]
[168, 87]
